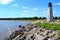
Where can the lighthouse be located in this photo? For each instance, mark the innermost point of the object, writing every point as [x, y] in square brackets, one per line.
[50, 12]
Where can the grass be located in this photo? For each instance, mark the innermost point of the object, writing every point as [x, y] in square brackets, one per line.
[53, 26]
[47, 25]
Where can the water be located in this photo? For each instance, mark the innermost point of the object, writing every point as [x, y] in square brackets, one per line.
[8, 26]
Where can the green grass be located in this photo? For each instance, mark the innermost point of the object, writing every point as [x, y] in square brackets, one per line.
[53, 26]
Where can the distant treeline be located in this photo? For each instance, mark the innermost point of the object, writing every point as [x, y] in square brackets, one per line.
[27, 18]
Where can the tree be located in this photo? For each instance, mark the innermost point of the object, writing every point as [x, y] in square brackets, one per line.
[40, 18]
[56, 17]
[35, 17]
[44, 18]
[59, 17]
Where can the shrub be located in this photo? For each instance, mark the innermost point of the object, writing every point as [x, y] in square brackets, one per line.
[49, 26]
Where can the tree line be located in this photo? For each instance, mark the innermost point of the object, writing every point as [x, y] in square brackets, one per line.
[27, 18]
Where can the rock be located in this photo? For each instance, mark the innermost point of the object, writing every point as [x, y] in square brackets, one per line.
[28, 38]
[34, 26]
[52, 34]
[55, 39]
[42, 30]
[45, 38]
[38, 37]
[33, 32]
[49, 39]
[45, 32]
[50, 31]
[19, 26]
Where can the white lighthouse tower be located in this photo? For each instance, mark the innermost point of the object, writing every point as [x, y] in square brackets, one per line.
[50, 12]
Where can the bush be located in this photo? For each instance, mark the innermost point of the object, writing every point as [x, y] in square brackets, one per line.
[49, 26]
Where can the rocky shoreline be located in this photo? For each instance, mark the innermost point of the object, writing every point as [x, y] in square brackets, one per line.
[33, 32]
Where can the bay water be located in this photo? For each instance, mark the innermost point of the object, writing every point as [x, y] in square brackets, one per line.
[9, 26]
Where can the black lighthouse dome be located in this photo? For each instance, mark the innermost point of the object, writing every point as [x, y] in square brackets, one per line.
[49, 4]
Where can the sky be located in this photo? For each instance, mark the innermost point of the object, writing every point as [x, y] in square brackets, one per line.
[27, 8]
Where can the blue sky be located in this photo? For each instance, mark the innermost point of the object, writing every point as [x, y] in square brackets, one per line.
[27, 8]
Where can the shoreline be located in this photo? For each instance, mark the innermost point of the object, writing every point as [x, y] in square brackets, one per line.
[32, 30]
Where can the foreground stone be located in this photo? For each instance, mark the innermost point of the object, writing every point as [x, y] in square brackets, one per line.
[33, 32]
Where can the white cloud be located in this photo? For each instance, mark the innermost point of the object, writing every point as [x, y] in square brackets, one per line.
[15, 5]
[45, 11]
[35, 9]
[11, 12]
[25, 7]
[5, 2]
[25, 11]
[34, 12]
[54, 11]
[58, 3]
